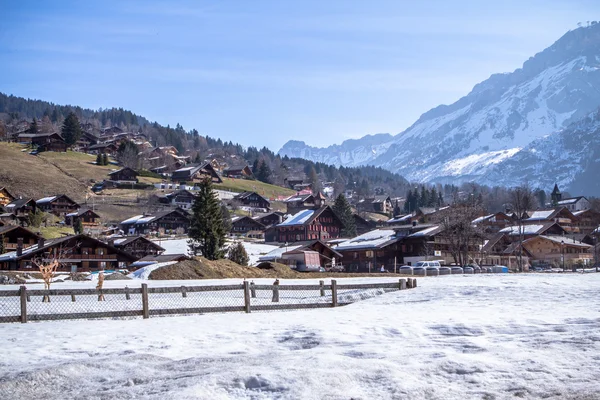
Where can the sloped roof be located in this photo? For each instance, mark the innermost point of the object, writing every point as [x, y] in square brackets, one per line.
[130, 239]
[16, 204]
[377, 238]
[300, 218]
[571, 200]
[563, 240]
[82, 211]
[434, 230]
[144, 219]
[532, 229]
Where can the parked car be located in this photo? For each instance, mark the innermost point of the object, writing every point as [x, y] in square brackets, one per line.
[425, 264]
[98, 187]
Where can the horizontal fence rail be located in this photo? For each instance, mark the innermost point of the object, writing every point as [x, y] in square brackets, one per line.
[25, 305]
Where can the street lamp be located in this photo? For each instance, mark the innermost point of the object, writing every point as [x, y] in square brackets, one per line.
[562, 251]
[596, 252]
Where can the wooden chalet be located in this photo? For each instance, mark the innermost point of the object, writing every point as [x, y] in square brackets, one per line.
[378, 204]
[269, 219]
[57, 205]
[8, 219]
[86, 140]
[301, 202]
[292, 182]
[14, 235]
[21, 208]
[103, 148]
[531, 230]
[246, 225]
[555, 249]
[493, 223]
[183, 199]
[586, 221]
[321, 223]
[238, 172]
[286, 255]
[86, 216]
[124, 175]
[431, 215]
[253, 200]
[175, 221]
[44, 141]
[371, 250]
[5, 197]
[561, 215]
[138, 246]
[77, 253]
[196, 173]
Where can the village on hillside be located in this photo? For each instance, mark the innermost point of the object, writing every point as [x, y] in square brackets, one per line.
[306, 227]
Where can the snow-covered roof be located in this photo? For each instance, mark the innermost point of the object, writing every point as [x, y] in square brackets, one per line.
[572, 200]
[527, 229]
[132, 220]
[373, 239]
[540, 215]
[399, 219]
[425, 232]
[564, 240]
[277, 253]
[481, 219]
[298, 219]
[46, 199]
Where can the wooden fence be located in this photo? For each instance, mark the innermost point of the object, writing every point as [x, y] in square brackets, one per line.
[25, 305]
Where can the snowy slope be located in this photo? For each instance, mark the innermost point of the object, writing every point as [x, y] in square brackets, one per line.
[498, 118]
[454, 337]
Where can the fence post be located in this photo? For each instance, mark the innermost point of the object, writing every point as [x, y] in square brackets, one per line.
[252, 290]
[23, 294]
[73, 298]
[402, 284]
[275, 291]
[322, 284]
[409, 283]
[127, 296]
[145, 310]
[183, 291]
[334, 299]
[414, 283]
[247, 297]
[100, 295]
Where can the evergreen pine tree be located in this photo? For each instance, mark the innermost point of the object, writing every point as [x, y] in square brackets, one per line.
[264, 172]
[313, 178]
[226, 218]
[99, 160]
[397, 210]
[237, 253]
[104, 159]
[78, 226]
[407, 202]
[33, 128]
[342, 209]
[255, 167]
[71, 130]
[206, 232]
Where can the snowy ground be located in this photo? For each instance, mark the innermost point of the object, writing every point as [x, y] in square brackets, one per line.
[457, 337]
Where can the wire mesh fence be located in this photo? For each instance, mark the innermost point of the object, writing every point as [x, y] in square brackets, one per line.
[38, 305]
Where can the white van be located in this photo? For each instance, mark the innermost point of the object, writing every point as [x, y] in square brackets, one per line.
[425, 264]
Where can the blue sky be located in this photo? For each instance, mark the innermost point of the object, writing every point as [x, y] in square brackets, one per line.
[263, 72]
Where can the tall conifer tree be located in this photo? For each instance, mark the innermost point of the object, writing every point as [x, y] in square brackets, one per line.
[207, 235]
[342, 209]
[71, 130]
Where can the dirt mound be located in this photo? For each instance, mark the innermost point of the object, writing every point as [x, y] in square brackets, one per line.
[116, 276]
[201, 268]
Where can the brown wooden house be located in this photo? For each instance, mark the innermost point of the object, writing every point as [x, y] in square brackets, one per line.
[57, 205]
[238, 172]
[87, 217]
[13, 235]
[138, 246]
[301, 202]
[44, 141]
[196, 173]
[253, 200]
[493, 223]
[371, 250]
[587, 221]
[321, 223]
[125, 175]
[245, 225]
[269, 219]
[77, 253]
[171, 221]
[21, 208]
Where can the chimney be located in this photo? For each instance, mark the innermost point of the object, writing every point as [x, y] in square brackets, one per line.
[19, 247]
[41, 242]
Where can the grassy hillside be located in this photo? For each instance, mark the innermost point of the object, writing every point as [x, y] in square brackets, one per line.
[36, 176]
[264, 189]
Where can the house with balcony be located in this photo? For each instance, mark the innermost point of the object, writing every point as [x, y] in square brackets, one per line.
[58, 205]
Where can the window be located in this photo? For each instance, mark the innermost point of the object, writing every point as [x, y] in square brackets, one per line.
[369, 253]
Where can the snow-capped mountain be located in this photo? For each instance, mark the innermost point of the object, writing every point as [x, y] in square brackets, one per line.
[494, 125]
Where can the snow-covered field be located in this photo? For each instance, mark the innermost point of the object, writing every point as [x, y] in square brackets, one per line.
[457, 337]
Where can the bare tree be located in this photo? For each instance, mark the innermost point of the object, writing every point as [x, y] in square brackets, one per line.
[460, 234]
[522, 199]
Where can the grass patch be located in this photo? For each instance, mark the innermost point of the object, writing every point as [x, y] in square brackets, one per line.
[53, 232]
[264, 189]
